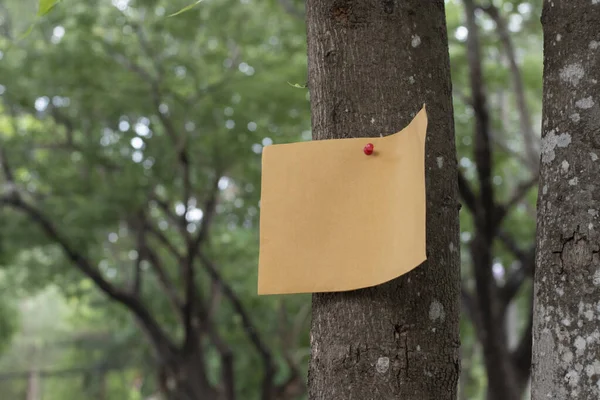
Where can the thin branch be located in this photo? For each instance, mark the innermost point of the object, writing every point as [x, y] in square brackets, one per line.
[496, 140]
[521, 191]
[471, 308]
[142, 255]
[294, 385]
[207, 217]
[137, 277]
[513, 247]
[166, 209]
[193, 249]
[247, 325]
[516, 278]
[6, 170]
[128, 64]
[512, 286]
[155, 92]
[466, 193]
[227, 371]
[470, 199]
[145, 45]
[519, 87]
[66, 123]
[483, 154]
[133, 303]
[189, 306]
[166, 283]
[165, 241]
[502, 146]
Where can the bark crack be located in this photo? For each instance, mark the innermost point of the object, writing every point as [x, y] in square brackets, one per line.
[564, 242]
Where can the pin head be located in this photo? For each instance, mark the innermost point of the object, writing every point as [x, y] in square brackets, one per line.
[369, 149]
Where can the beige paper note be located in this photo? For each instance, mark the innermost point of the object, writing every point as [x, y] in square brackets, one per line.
[335, 219]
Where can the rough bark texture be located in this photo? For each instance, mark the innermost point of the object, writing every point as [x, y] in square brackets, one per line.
[566, 352]
[372, 65]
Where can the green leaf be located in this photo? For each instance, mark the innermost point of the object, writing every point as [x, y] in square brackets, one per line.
[297, 85]
[26, 33]
[45, 6]
[186, 8]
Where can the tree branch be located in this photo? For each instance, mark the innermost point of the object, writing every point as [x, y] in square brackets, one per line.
[492, 324]
[516, 278]
[66, 122]
[483, 154]
[193, 249]
[498, 143]
[156, 95]
[164, 280]
[207, 217]
[165, 241]
[471, 308]
[513, 247]
[166, 209]
[142, 255]
[247, 325]
[521, 191]
[157, 335]
[470, 199]
[227, 371]
[466, 193]
[137, 277]
[519, 89]
[6, 170]
[294, 385]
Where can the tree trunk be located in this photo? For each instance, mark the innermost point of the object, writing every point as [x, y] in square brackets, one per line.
[372, 65]
[566, 349]
[33, 385]
[182, 376]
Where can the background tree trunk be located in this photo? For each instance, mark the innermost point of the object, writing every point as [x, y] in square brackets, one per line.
[33, 385]
[567, 279]
[372, 65]
[184, 377]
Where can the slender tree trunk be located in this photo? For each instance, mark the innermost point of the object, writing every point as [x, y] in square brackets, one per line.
[566, 353]
[372, 64]
[33, 385]
[182, 376]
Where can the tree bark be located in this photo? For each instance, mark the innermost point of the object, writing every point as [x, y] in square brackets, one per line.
[372, 65]
[567, 279]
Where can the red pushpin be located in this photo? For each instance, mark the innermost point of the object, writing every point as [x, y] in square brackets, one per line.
[369, 149]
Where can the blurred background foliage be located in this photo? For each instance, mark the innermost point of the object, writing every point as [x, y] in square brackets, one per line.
[97, 102]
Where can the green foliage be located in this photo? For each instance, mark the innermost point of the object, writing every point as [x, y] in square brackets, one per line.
[82, 118]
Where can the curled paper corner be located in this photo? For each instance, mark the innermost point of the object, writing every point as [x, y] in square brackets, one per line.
[334, 218]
